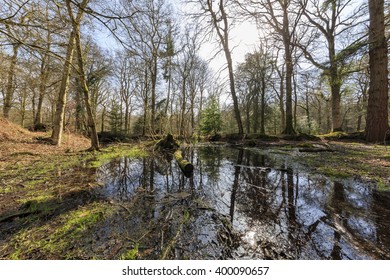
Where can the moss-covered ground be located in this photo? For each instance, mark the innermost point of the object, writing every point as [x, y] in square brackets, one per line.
[352, 159]
[48, 205]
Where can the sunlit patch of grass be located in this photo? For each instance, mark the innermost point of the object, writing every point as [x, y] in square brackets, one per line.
[6, 190]
[333, 135]
[58, 238]
[113, 152]
[333, 173]
[36, 197]
[382, 185]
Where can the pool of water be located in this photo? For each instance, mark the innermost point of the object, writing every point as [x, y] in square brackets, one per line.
[251, 204]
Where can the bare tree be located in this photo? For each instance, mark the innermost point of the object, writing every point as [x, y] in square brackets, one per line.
[216, 14]
[19, 17]
[284, 17]
[333, 29]
[256, 73]
[58, 125]
[128, 82]
[81, 69]
[148, 30]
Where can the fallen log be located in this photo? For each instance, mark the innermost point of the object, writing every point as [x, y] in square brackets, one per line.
[169, 146]
[184, 164]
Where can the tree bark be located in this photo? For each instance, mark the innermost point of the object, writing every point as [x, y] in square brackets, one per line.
[83, 81]
[289, 128]
[377, 111]
[58, 125]
[184, 164]
[335, 86]
[153, 72]
[281, 99]
[255, 125]
[44, 76]
[10, 82]
[262, 123]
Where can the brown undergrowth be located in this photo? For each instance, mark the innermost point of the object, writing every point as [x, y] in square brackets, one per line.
[18, 144]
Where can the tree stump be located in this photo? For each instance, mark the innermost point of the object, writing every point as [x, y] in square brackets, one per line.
[167, 143]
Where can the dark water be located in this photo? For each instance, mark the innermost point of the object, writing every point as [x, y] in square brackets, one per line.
[251, 204]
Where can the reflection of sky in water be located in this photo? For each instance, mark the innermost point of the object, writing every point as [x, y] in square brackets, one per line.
[281, 211]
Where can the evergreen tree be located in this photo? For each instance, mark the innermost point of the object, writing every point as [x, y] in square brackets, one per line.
[211, 120]
[115, 117]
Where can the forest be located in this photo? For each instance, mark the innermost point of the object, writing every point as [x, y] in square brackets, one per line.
[151, 129]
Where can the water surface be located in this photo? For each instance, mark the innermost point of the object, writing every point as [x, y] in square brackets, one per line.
[250, 204]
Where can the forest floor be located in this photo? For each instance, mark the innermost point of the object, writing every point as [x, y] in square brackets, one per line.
[49, 210]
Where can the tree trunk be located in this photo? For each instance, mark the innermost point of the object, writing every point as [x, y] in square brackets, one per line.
[319, 116]
[308, 111]
[362, 104]
[377, 111]
[58, 125]
[44, 76]
[153, 97]
[281, 101]
[335, 83]
[183, 104]
[262, 123]
[103, 118]
[91, 120]
[328, 116]
[145, 105]
[223, 34]
[295, 101]
[289, 128]
[83, 82]
[127, 126]
[80, 114]
[248, 118]
[192, 109]
[233, 91]
[10, 82]
[256, 113]
[145, 117]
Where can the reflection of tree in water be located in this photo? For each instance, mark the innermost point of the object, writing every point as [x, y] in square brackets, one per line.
[289, 213]
[212, 158]
[382, 218]
[121, 177]
[337, 202]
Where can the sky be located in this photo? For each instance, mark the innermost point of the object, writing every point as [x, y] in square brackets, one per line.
[244, 39]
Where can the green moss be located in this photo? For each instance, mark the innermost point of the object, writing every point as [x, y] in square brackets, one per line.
[114, 152]
[132, 254]
[334, 173]
[59, 238]
[382, 185]
[5, 190]
[186, 216]
[305, 145]
[41, 202]
[334, 135]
